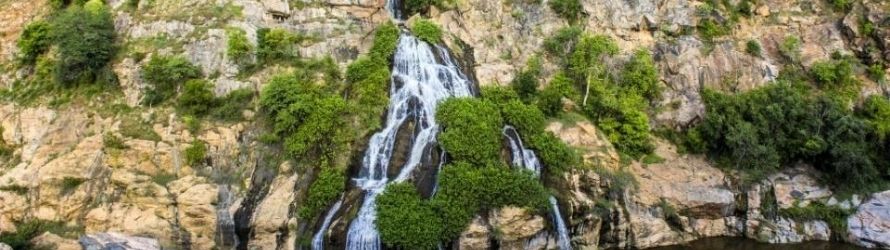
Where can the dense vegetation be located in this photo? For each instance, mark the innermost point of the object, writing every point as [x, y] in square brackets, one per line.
[427, 31]
[571, 10]
[85, 39]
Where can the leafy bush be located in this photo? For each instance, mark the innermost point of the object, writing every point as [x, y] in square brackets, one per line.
[553, 152]
[752, 47]
[471, 129]
[640, 76]
[274, 45]
[836, 217]
[836, 73]
[230, 106]
[196, 153]
[465, 189]
[238, 47]
[418, 6]
[790, 48]
[709, 29]
[571, 10]
[876, 110]
[323, 191]
[876, 72]
[138, 129]
[34, 41]
[527, 119]
[427, 30]
[841, 5]
[112, 141]
[526, 82]
[369, 82]
[586, 59]
[165, 74]
[780, 124]
[196, 98]
[28, 230]
[405, 220]
[386, 38]
[69, 184]
[498, 95]
[85, 38]
[561, 44]
[550, 99]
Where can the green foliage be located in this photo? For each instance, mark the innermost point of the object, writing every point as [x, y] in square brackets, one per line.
[69, 184]
[196, 98]
[192, 123]
[427, 30]
[526, 82]
[640, 76]
[752, 47]
[311, 121]
[498, 95]
[586, 59]
[137, 129]
[276, 45]
[841, 5]
[230, 107]
[34, 41]
[571, 10]
[562, 43]
[27, 230]
[238, 47]
[780, 124]
[876, 111]
[465, 189]
[323, 191]
[112, 141]
[165, 74]
[710, 29]
[85, 39]
[553, 152]
[369, 79]
[418, 6]
[386, 38]
[527, 119]
[836, 217]
[163, 178]
[833, 74]
[550, 99]
[876, 72]
[471, 130]
[196, 153]
[790, 48]
[405, 220]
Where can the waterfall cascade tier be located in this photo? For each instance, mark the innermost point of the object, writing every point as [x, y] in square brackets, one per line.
[318, 239]
[526, 158]
[422, 76]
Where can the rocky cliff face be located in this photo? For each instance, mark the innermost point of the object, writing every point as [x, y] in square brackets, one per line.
[67, 166]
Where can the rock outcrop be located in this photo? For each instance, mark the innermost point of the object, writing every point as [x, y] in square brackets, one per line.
[869, 226]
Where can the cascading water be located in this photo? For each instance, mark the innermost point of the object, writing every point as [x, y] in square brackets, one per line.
[526, 158]
[419, 83]
[318, 239]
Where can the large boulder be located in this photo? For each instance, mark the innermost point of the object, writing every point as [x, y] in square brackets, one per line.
[111, 240]
[870, 225]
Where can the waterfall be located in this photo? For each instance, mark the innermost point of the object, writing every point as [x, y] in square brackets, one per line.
[526, 158]
[225, 221]
[422, 76]
[318, 239]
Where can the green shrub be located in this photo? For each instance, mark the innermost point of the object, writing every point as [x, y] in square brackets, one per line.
[276, 45]
[369, 82]
[586, 59]
[196, 99]
[196, 153]
[876, 72]
[836, 217]
[230, 107]
[640, 76]
[386, 38]
[752, 47]
[427, 30]
[163, 178]
[28, 230]
[498, 95]
[137, 129]
[553, 152]
[465, 189]
[780, 124]
[526, 82]
[471, 129]
[112, 141]
[710, 29]
[836, 73]
[561, 44]
[418, 6]
[790, 48]
[527, 119]
[876, 110]
[85, 39]
[405, 220]
[550, 99]
[69, 184]
[238, 47]
[324, 190]
[571, 10]
[841, 5]
[34, 41]
[165, 74]
[192, 123]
